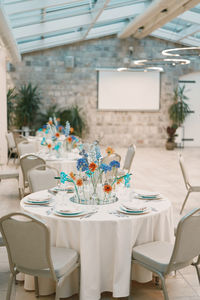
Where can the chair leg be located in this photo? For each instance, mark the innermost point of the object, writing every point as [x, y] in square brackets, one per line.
[164, 287]
[57, 291]
[36, 286]
[188, 193]
[9, 156]
[10, 282]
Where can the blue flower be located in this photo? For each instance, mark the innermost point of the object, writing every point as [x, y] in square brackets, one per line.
[57, 146]
[98, 152]
[114, 164]
[43, 142]
[127, 179]
[82, 164]
[44, 126]
[64, 177]
[105, 168]
[67, 129]
[83, 153]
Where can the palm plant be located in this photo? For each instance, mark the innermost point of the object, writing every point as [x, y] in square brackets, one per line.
[11, 98]
[179, 110]
[73, 115]
[28, 101]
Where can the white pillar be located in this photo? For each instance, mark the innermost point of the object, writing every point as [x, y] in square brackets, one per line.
[3, 109]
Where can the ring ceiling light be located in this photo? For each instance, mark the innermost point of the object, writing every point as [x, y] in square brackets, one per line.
[161, 62]
[185, 51]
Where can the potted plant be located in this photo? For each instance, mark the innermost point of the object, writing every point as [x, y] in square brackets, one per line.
[11, 101]
[171, 132]
[178, 112]
[27, 105]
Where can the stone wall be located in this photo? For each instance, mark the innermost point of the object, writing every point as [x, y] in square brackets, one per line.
[64, 86]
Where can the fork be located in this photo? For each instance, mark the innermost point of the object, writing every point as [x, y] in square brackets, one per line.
[88, 215]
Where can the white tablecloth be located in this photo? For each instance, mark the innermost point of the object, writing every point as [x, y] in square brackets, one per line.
[105, 243]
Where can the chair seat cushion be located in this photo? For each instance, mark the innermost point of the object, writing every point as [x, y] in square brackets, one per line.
[156, 254]
[6, 174]
[63, 259]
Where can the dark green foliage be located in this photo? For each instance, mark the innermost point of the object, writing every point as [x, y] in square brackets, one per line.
[11, 98]
[75, 119]
[27, 106]
[179, 110]
[50, 112]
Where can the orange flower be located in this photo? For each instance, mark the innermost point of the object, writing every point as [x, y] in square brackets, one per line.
[107, 188]
[44, 129]
[110, 151]
[71, 174]
[71, 129]
[49, 146]
[69, 139]
[50, 122]
[119, 181]
[75, 145]
[58, 119]
[79, 182]
[92, 166]
[57, 134]
[60, 128]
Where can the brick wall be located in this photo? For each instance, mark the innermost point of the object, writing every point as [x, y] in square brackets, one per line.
[64, 86]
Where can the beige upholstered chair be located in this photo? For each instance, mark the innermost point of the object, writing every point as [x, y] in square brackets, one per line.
[27, 240]
[28, 162]
[190, 188]
[11, 145]
[10, 174]
[25, 148]
[1, 242]
[42, 177]
[162, 258]
[129, 158]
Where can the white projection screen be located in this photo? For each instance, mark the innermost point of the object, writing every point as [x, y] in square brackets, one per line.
[128, 90]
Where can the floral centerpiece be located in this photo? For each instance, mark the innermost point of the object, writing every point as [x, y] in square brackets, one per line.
[91, 183]
[57, 136]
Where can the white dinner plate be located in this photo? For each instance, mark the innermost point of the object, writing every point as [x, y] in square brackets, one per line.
[131, 212]
[74, 214]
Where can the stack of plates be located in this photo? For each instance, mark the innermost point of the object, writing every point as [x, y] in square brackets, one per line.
[39, 199]
[69, 212]
[133, 208]
[148, 196]
[69, 189]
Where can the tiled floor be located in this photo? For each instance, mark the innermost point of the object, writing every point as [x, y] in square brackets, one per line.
[153, 169]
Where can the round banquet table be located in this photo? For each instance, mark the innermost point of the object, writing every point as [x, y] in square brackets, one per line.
[104, 241]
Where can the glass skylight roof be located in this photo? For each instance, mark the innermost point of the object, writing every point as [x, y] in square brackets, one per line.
[59, 22]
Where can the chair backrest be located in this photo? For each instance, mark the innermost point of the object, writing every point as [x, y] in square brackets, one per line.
[184, 172]
[187, 243]
[42, 177]
[27, 240]
[129, 157]
[28, 162]
[25, 148]
[10, 140]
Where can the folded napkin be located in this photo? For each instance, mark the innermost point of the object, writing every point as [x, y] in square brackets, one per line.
[39, 197]
[134, 207]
